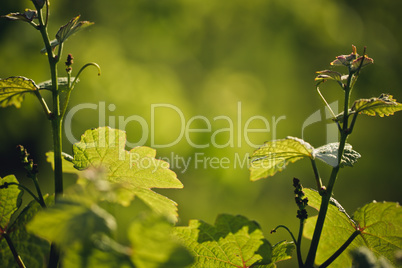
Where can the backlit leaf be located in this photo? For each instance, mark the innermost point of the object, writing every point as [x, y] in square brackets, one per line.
[67, 30]
[384, 105]
[233, 241]
[9, 201]
[273, 156]
[68, 222]
[146, 241]
[32, 249]
[329, 154]
[154, 246]
[137, 169]
[71, 28]
[13, 89]
[358, 62]
[328, 75]
[380, 225]
[90, 257]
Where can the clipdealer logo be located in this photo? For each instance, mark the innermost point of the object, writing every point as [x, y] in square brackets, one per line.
[237, 130]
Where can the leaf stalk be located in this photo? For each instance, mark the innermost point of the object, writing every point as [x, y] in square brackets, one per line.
[341, 249]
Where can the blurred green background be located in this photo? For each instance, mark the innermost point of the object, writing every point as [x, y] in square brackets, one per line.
[207, 58]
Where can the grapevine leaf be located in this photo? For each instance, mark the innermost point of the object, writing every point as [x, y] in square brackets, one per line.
[234, 241]
[380, 225]
[337, 229]
[328, 75]
[358, 62]
[137, 169]
[27, 16]
[67, 30]
[10, 200]
[32, 249]
[68, 222]
[153, 244]
[329, 154]
[71, 28]
[282, 251]
[273, 156]
[77, 256]
[13, 89]
[384, 105]
[147, 243]
[62, 83]
[345, 60]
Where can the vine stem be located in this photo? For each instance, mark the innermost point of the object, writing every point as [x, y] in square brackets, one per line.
[326, 195]
[55, 117]
[56, 120]
[298, 243]
[17, 257]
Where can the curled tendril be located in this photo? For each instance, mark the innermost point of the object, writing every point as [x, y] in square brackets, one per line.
[82, 69]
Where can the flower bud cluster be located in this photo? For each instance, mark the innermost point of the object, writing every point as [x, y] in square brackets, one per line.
[69, 62]
[300, 201]
[27, 161]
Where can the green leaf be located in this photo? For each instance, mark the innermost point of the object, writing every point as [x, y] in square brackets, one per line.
[384, 105]
[147, 242]
[153, 244]
[32, 250]
[79, 256]
[13, 89]
[27, 16]
[67, 30]
[329, 155]
[68, 222]
[273, 156]
[137, 169]
[71, 28]
[10, 200]
[62, 83]
[282, 251]
[234, 241]
[328, 75]
[337, 229]
[358, 62]
[380, 225]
